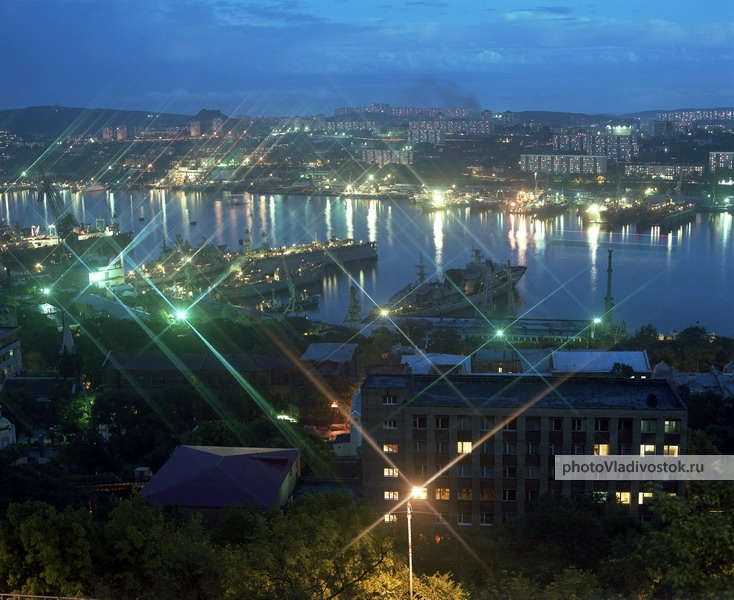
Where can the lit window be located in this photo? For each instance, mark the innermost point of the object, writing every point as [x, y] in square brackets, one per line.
[623, 497]
[672, 426]
[390, 518]
[670, 450]
[389, 472]
[463, 447]
[391, 495]
[601, 449]
[647, 449]
[463, 494]
[486, 494]
[389, 399]
[648, 425]
[443, 493]
[419, 493]
[389, 448]
[390, 424]
[644, 498]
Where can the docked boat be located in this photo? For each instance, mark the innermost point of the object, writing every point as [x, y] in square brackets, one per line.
[473, 288]
[246, 285]
[334, 252]
[299, 302]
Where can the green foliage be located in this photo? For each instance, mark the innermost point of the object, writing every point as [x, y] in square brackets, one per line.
[43, 551]
[694, 551]
[510, 586]
[321, 548]
[574, 584]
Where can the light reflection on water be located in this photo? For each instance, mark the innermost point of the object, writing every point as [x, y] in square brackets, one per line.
[669, 280]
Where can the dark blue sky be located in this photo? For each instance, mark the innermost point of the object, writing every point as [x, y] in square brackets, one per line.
[290, 57]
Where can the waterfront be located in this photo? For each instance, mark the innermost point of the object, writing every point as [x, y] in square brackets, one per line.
[670, 281]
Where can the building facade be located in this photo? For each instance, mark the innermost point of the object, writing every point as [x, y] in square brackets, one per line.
[483, 448]
[563, 164]
[721, 161]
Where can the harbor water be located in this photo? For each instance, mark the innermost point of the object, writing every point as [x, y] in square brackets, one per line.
[668, 280]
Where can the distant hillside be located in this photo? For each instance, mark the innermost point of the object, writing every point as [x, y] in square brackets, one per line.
[55, 121]
[567, 119]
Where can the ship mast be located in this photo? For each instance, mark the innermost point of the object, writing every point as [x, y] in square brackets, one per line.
[353, 317]
[608, 300]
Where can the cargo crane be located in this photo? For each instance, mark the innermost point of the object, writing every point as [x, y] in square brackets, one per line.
[64, 222]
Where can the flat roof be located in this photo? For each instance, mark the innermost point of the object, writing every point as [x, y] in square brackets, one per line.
[516, 391]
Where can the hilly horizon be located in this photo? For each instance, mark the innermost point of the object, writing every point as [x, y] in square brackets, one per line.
[54, 121]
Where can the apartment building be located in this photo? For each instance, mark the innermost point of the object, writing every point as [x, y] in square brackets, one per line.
[483, 447]
[563, 164]
[721, 161]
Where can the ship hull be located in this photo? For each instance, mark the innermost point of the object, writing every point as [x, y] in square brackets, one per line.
[31, 252]
[472, 289]
[236, 292]
[335, 252]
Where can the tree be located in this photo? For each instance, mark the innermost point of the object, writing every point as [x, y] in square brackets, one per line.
[323, 547]
[693, 553]
[43, 551]
[574, 584]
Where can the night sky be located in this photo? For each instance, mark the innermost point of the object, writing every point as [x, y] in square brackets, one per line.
[294, 57]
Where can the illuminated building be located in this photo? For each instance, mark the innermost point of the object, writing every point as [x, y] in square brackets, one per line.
[484, 447]
[563, 164]
[719, 161]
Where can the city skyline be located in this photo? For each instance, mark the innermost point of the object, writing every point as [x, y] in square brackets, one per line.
[297, 58]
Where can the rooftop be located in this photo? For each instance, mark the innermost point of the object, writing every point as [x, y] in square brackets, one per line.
[516, 391]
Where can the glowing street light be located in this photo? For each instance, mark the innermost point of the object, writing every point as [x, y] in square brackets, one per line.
[419, 493]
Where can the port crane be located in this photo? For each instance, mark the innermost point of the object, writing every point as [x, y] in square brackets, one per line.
[63, 221]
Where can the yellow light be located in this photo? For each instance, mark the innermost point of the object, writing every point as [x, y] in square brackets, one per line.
[419, 493]
[384, 312]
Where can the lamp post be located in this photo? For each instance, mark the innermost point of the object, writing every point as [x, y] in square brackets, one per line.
[418, 493]
[410, 552]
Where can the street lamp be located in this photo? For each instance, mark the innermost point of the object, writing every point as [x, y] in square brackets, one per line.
[417, 493]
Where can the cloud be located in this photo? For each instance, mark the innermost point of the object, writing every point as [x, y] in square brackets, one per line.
[551, 13]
